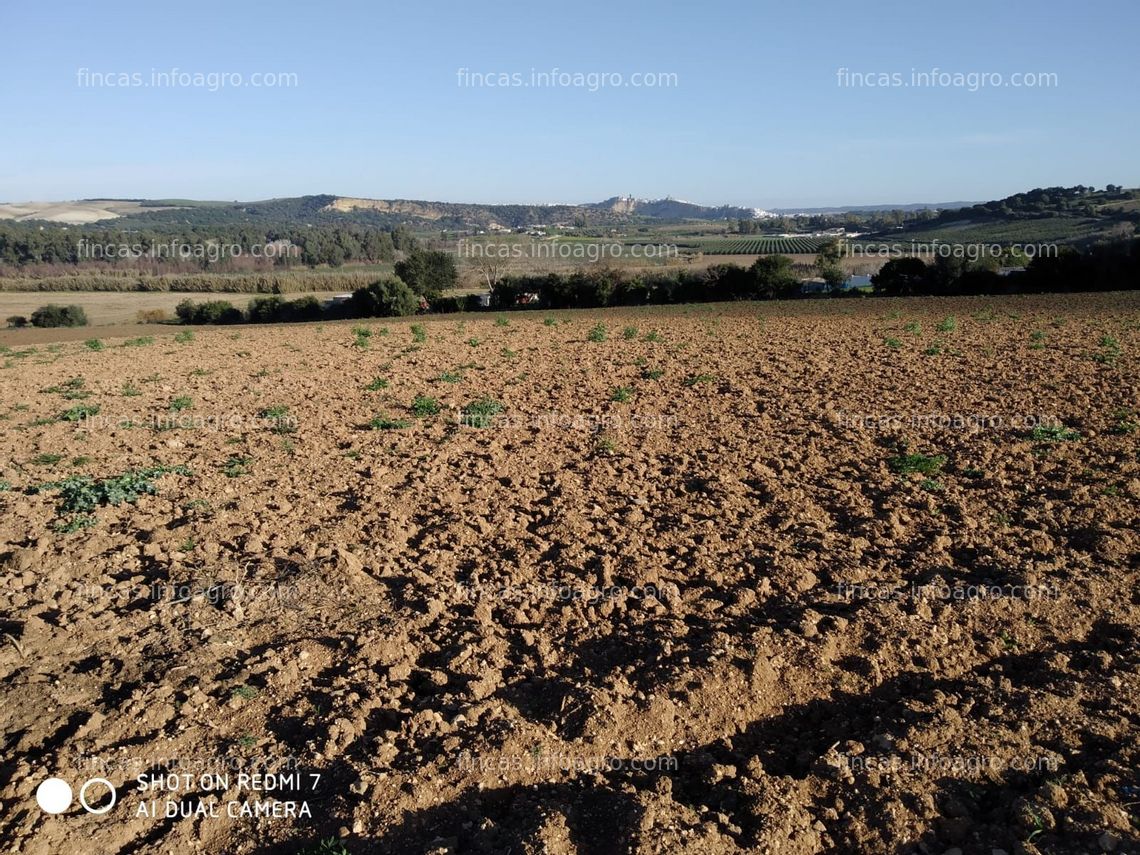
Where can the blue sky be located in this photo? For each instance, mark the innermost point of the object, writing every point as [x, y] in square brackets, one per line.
[756, 115]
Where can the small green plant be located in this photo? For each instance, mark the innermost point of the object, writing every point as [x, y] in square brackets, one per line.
[905, 464]
[235, 466]
[629, 333]
[914, 328]
[507, 353]
[81, 494]
[1053, 433]
[947, 325]
[376, 384]
[501, 321]
[245, 692]
[141, 341]
[931, 485]
[1125, 423]
[423, 406]
[94, 344]
[363, 337]
[892, 342]
[419, 334]
[652, 373]
[652, 335]
[934, 349]
[549, 322]
[1110, 350]
[182, 402]
[331, 846]
[700, 379]
[450, 377]
[71, 388]
[384, 423]
[79, 412]
[597, 333]
[184, 337]
[473, 342]
[622, 395]
[280, 421]
[77, 522]
[482, 412]
[47, 459]
[129, 390]
[604, 446]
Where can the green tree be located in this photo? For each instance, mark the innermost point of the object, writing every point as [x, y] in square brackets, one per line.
[428, 272]
[900, 277]
[774, 277]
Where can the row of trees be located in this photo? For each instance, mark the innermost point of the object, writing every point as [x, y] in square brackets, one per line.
[23, 244]
[1104, 267]
[422, 277]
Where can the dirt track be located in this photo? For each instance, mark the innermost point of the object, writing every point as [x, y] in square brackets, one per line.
[709, 618]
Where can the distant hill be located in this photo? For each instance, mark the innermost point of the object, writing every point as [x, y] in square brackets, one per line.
[328, 209]
[1073, 213]
[671, 209]
[847, 209]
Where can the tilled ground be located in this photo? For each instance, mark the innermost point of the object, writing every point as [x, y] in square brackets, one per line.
[676, 596]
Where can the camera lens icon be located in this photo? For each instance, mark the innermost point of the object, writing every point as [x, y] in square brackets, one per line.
[54, 795]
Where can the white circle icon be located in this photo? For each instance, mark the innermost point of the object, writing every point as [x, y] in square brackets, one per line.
[54, 795]
[83, 795]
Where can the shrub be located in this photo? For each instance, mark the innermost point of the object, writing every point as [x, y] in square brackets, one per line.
[264, 310]
[210, 312]
[303, 309]
[447, 305]
[388, 297]
[53, 315]
[17, 321]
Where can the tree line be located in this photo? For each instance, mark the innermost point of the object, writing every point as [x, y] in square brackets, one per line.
[25, 244]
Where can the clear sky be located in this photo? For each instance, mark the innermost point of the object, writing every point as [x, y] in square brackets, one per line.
[754, 112]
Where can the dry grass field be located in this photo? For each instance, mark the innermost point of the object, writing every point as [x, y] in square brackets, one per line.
[791, 577]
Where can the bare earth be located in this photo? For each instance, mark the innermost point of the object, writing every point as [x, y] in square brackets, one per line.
[708, 618]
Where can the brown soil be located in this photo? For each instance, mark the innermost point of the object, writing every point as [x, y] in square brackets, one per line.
[660, 625]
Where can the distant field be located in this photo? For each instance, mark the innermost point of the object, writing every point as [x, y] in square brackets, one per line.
[762, 246]
[1046, 230]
